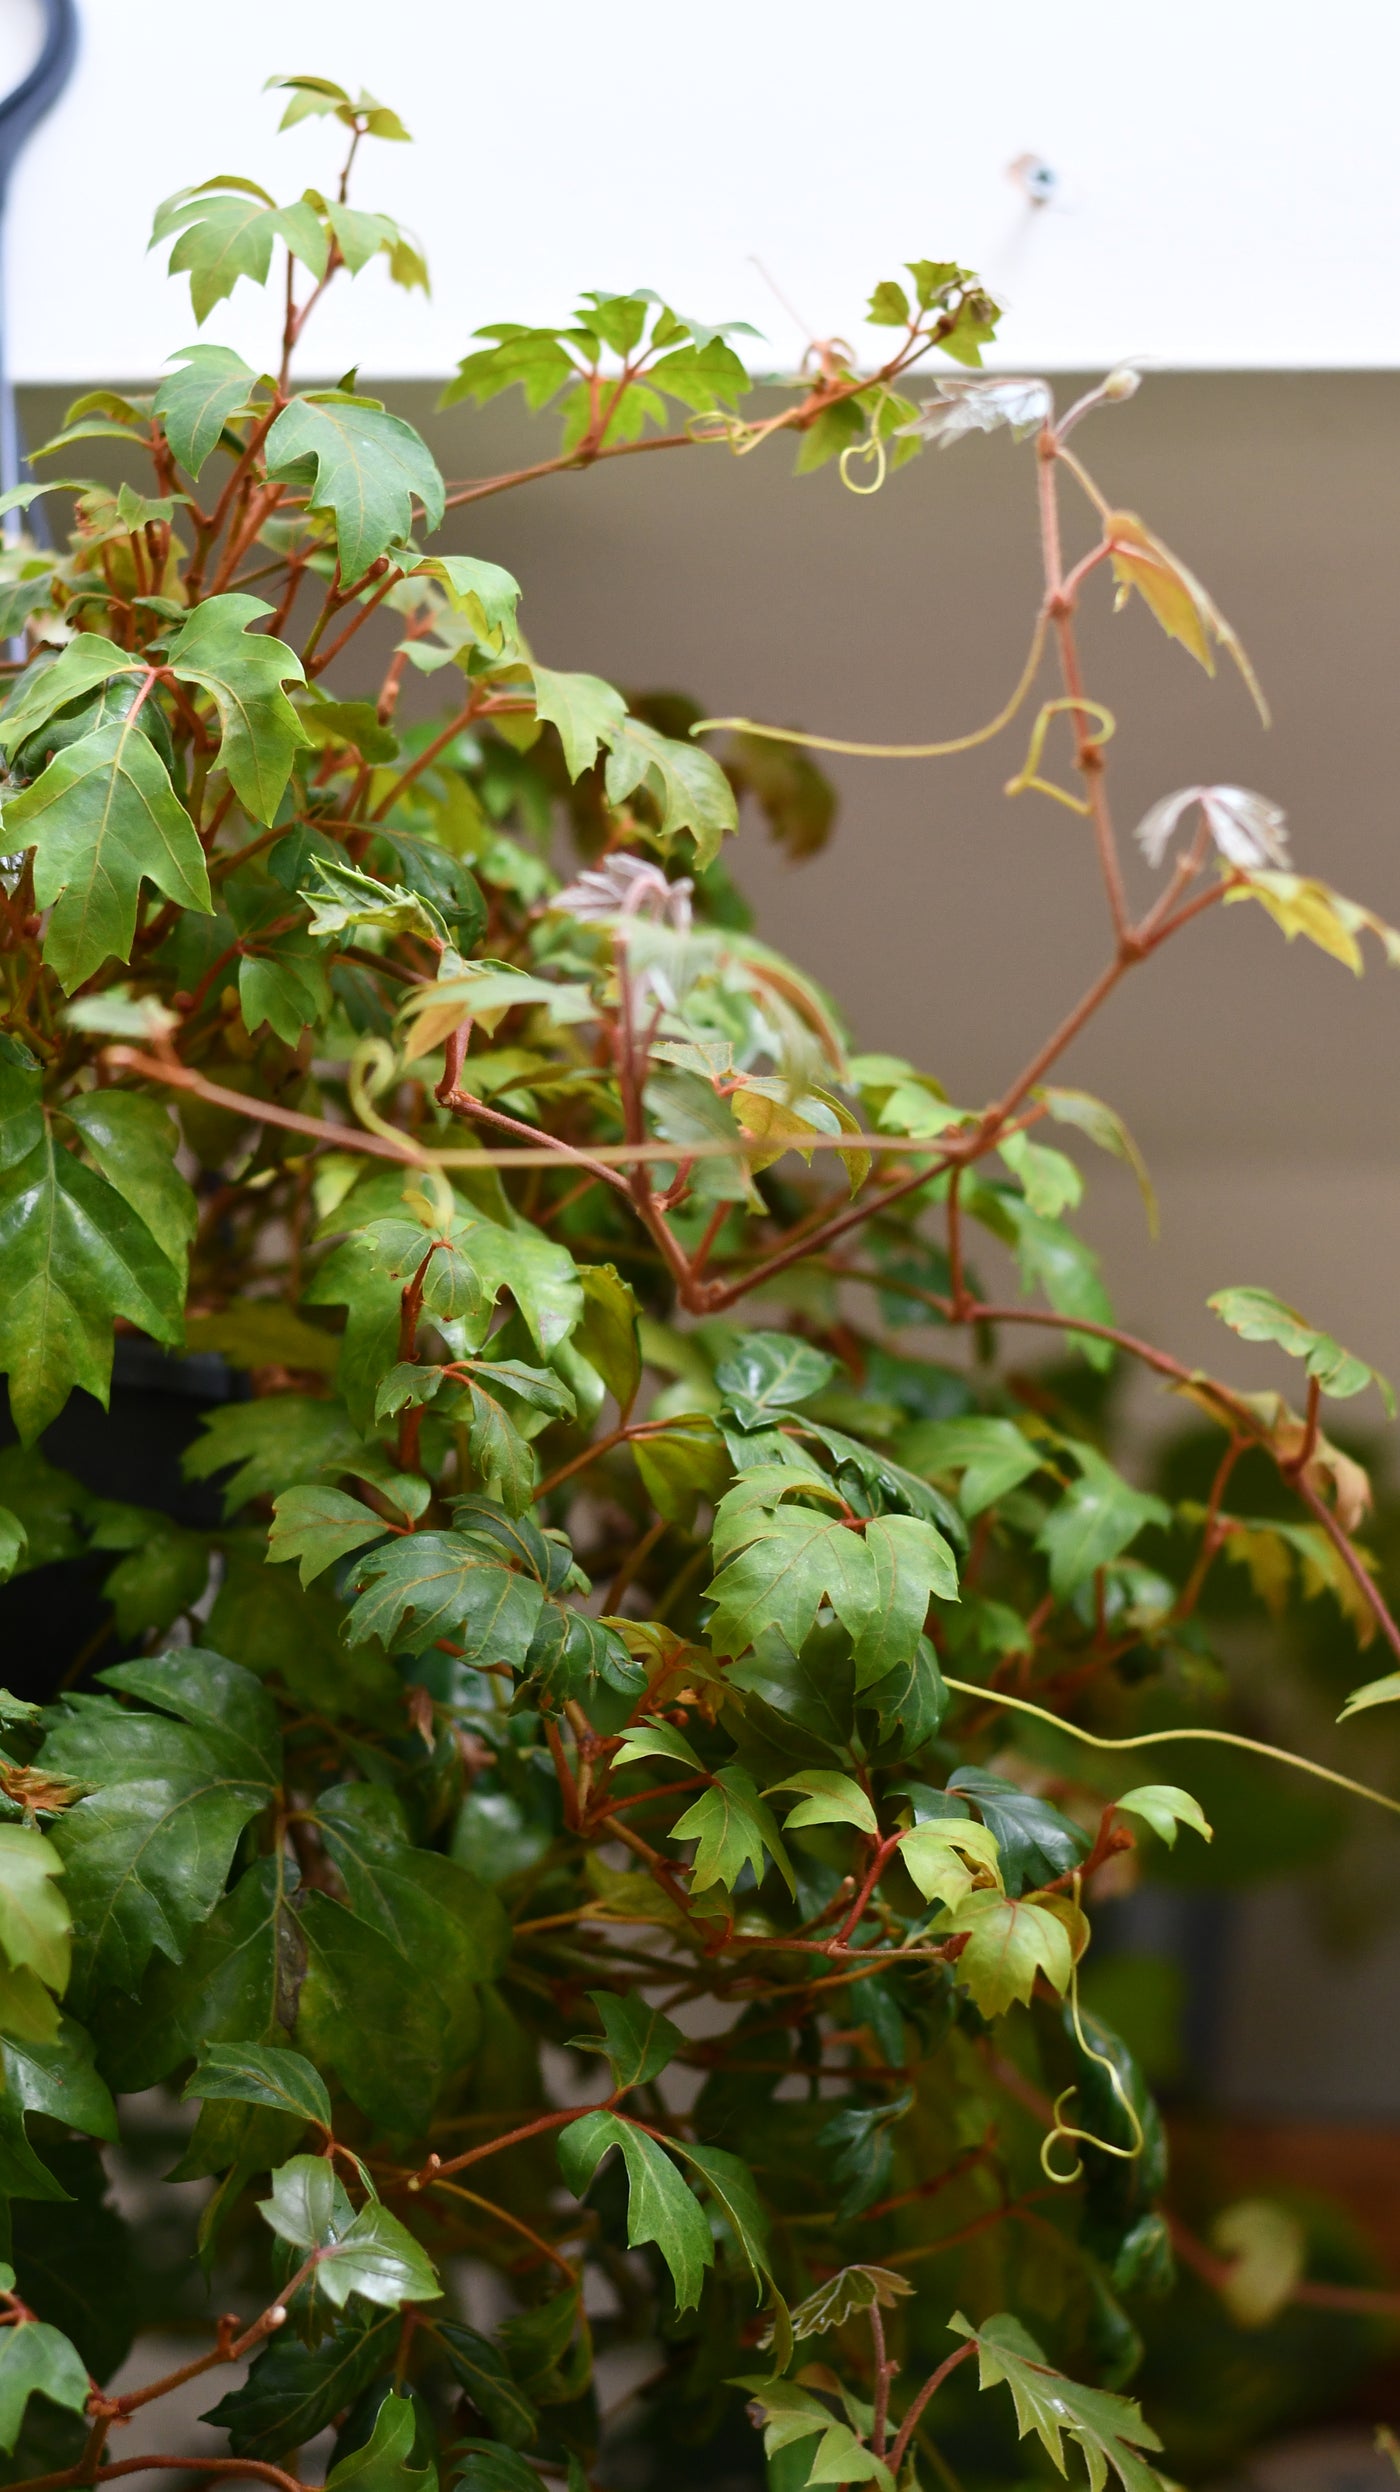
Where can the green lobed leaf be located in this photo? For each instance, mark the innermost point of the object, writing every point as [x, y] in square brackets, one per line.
[1095, 1521]
[732, 1828]
[586, 711]
[1164, 1806]
[103, 819]
[638, 2041]
[294, 2390]
[1009, 1943]
[195, 403]
[912, 1565]
[36, 2361]
[320, 1526]
[993, 1455]
[1257, 1315]
[1109, 2430]
[382, 2463]
[75, 1255]
[147, 1850]
[244, 671]
[829, 1799]
[250, 2072]
[363, 465]
[660, 2208]
[35, 1922]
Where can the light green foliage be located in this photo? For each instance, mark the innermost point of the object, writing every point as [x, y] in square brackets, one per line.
[35, 1923]
[669, 1620]
[195, 403]
[362, 465]
[1257, 1315]
[1163, 1807]
[102, 820]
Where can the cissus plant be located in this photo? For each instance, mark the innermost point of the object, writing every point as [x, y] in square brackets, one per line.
[594, 1854]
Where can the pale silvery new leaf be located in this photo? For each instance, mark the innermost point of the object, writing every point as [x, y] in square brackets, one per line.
[627, 886]
[1247, 828]
[977, 402]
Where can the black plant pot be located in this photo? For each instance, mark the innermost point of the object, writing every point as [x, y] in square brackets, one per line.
[53, 1615]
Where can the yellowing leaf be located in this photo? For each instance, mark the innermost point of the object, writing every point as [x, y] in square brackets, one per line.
[1384, 1691]
[1186, 611]
[1008, 1943]
[1266, 2247]
[829, 1799]
[1164, 1806]
[948, 1856]
[1301, 905]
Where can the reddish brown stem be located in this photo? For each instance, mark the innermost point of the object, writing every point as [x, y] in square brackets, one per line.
[930, 2389]
[436, 2170]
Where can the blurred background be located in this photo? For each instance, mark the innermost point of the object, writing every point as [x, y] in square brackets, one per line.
[1209, 192]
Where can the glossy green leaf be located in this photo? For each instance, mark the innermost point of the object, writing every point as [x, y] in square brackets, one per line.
[638, 2041]
[660, 2208]
[1035, 1841]
[54, 2078]
[293, 2390]
[479, 2368]
[433, 1584]
[248, 2072]
[769, 1374]
[383, 2463]
[1109, 2430]
[146, 1852]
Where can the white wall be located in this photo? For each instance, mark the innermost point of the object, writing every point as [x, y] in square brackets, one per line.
[1228, 192]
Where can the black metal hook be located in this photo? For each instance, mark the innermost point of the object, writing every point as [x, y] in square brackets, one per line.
[25, 106]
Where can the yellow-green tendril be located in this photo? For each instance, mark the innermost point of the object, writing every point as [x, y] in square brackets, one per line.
[1086, 2137]
[1156, 1739]
[893, 752]
[871, 449]
[1028, 776]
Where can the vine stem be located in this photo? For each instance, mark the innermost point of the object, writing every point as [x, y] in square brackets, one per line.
[1157, 1739]
[884, 2373]
[436, 2170]
[1089, 757]
[245, 2467]
[930, 2389]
